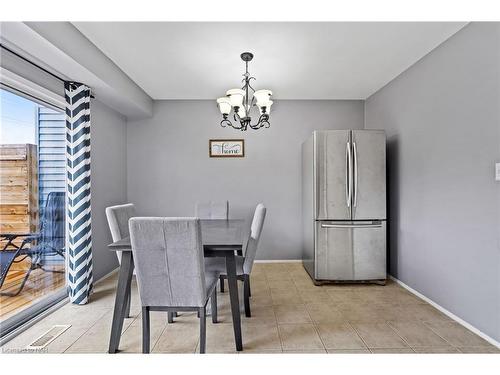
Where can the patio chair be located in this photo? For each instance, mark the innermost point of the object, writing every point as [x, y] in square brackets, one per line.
[50, 241]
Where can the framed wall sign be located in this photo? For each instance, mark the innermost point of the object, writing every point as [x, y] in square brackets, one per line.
[226, 148]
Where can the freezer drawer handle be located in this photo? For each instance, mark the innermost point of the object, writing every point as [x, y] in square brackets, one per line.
[372, 225]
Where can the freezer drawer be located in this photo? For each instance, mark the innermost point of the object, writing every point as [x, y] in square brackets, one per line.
[350, 251]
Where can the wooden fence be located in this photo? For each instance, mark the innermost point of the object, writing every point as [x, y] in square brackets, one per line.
[19, 211]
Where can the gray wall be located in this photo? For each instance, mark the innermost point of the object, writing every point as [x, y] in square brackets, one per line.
[169, 168]
[109, 180]
[442, 120]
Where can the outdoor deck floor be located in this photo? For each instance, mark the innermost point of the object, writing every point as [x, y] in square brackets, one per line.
[40, 284]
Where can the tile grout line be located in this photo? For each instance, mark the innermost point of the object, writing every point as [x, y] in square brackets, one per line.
[357, 333]
[397, 333]
[88, 329]
[159, 336]
[274, 313]
[278, 329]
[449, 343]
[315, 328]
[424, 323]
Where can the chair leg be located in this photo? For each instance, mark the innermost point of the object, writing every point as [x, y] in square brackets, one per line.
[171, 315]
[249, 290]
[127, 308]
[246, 295]
[213, 300]
[203, 329]
[145, 329]
[221, 280]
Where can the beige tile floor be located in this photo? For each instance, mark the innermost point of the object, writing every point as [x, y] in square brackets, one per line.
[289, 315]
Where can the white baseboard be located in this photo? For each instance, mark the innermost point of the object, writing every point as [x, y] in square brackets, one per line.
[469, 326]
[279, 261]
[108, 275]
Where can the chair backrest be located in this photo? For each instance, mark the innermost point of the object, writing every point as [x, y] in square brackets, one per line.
[212, 210]
[53, 222]
[118, 217]
[168, 258]
[254, 237]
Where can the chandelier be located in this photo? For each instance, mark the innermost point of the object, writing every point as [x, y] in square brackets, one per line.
[240, 101]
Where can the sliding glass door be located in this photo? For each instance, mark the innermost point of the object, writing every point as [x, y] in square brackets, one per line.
[32, 206]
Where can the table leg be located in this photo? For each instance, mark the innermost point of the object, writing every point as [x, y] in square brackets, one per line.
[235, 302]
[122, 292]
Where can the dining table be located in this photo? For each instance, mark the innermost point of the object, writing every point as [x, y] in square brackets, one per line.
[220, 238]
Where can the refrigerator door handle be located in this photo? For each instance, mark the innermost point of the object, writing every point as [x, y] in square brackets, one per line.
[374, 224]
[355, 184]
[348, 174]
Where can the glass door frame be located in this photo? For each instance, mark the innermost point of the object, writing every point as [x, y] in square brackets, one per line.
[22, 320]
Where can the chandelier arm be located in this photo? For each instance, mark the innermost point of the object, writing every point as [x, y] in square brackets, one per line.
[225, 122]
[263, 121]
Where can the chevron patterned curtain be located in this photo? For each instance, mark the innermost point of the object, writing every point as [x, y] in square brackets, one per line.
[78, 192]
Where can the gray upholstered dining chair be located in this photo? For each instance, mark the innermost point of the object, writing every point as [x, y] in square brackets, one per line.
[168, 257]
[244, 264]
[118, 217]
[212, 210]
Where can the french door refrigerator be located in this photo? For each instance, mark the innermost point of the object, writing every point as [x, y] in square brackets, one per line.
[344, 206]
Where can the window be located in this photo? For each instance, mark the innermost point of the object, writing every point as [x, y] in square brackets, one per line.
[32, 204]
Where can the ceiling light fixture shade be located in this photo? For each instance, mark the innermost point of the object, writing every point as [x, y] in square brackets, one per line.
[236, 96]
[224, 105]
[265, 108]
[242, 100]
[262, 96]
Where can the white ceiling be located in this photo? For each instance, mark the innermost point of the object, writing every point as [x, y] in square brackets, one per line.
[333, 60]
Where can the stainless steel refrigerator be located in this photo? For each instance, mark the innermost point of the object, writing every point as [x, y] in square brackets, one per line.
[344, 205]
